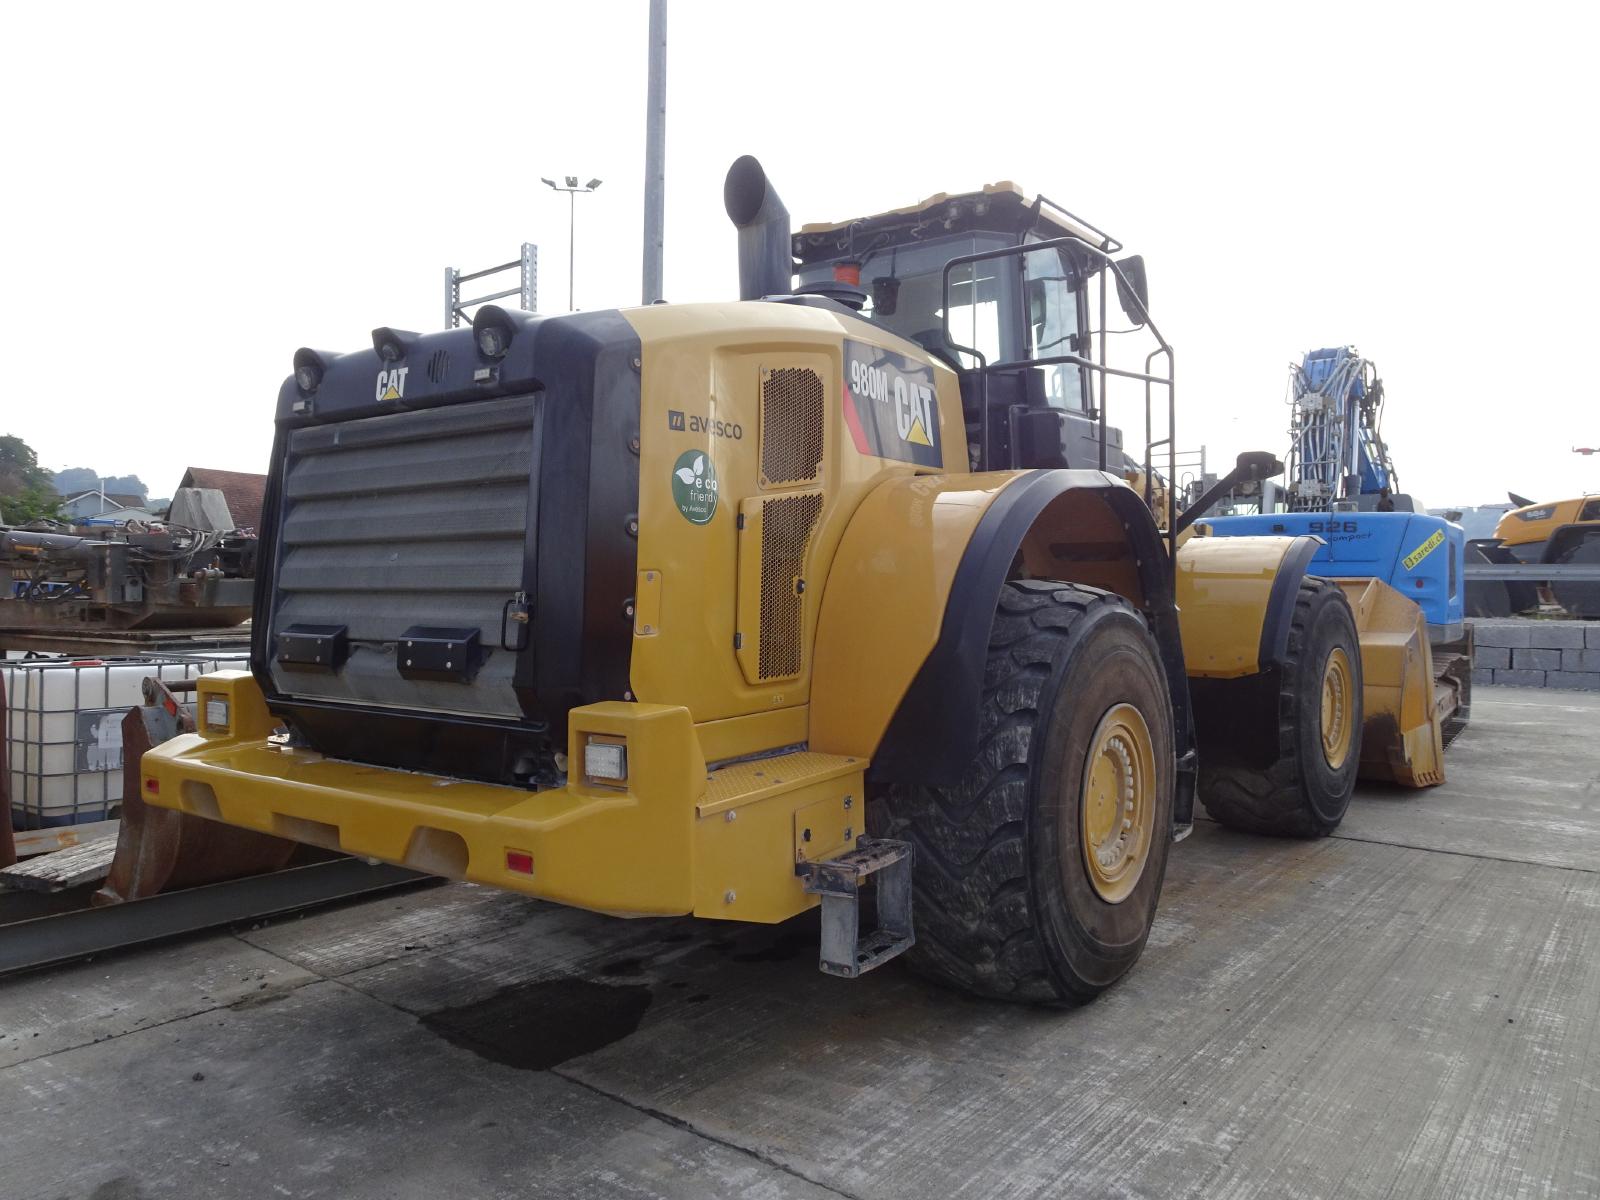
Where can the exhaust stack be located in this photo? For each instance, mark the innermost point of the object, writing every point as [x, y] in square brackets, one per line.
[766, 258]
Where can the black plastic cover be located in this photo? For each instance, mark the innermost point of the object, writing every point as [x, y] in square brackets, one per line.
[313, 647]
[432, 652]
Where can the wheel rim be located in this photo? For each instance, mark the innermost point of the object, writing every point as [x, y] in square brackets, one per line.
[1338, 698]
[1118, 802]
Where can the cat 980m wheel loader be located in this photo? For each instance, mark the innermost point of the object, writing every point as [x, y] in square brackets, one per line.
[731, 609]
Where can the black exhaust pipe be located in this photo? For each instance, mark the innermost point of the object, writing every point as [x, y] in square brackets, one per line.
[766, 257]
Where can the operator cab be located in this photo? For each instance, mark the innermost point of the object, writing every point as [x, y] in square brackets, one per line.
[1018, 327]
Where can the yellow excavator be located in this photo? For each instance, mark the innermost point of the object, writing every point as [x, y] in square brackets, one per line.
[735, 609]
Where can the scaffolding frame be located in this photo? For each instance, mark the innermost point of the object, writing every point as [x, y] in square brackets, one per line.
[526, 264]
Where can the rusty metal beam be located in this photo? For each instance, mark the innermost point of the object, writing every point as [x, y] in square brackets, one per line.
[43, 941]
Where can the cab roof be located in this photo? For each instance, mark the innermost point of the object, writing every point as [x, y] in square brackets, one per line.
[1002, 207]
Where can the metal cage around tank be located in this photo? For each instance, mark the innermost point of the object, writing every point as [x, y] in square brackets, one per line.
[63, 731]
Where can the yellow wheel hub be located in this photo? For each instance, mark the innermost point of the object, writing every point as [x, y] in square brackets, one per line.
[1338, 699]
[1119, 794]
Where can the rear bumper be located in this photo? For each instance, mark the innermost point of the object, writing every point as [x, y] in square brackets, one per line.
[626, 850]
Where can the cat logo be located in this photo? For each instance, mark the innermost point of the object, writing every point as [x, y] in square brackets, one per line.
[392, 384]
[913, 413]
[890, 407]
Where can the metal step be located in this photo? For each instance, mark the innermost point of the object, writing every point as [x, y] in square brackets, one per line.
[845, 951]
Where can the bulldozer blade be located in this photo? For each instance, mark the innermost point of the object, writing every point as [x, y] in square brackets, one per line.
[1402, 735]
[1496, 597]
[161, 849]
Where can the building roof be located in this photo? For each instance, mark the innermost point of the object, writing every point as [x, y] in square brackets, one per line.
[113, 499]
[242, 490]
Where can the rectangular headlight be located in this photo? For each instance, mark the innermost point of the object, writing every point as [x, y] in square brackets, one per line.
[606, 760]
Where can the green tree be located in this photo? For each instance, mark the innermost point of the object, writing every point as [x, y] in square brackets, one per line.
[26, 492]
[33, 503]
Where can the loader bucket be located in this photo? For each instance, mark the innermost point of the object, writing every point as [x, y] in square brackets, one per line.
[1402, 736]
[159, 849]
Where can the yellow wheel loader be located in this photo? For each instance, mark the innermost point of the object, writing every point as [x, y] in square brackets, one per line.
[735, 609]
[1560, 533]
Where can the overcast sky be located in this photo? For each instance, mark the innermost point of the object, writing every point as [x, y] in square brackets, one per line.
[195, 191]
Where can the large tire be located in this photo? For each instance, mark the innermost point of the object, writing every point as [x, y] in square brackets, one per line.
[1305, 788]
[1006, 903]
[1580, 599]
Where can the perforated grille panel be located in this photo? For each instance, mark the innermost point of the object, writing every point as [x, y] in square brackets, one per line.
[791, 425]
[786, 524]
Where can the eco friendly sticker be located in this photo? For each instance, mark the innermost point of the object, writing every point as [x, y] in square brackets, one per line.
[694, 486]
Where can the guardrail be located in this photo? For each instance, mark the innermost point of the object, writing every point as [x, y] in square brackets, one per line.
[1535, 572]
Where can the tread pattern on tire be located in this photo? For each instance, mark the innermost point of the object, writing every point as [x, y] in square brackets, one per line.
[1269, 801]
[974, 913]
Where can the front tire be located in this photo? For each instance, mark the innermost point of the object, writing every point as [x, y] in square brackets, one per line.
[1305, 787]
[1037, 875]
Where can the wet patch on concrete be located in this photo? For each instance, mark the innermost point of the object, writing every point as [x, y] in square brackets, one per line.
[539, 1025]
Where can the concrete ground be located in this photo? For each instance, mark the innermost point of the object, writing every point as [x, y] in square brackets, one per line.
[1409, 1008]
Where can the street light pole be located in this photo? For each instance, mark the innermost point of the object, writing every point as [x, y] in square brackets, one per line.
[572, 190]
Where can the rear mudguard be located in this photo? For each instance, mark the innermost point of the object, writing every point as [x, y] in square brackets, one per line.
[1078, 526]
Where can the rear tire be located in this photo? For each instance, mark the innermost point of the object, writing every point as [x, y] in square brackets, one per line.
[1578, 598]
[1010, 886]
[1305, 790]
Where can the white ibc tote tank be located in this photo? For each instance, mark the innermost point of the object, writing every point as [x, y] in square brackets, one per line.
[64, 729]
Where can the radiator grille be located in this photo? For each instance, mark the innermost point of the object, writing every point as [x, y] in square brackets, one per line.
[791, 425]
[786, 525]
[411, 518]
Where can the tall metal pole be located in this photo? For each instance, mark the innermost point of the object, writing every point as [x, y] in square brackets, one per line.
[655, 153]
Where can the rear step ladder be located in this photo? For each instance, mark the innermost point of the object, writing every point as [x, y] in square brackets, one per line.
[844, 950]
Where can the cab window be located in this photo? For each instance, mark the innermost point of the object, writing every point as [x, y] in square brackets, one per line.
[905, 295]
[1053, 288]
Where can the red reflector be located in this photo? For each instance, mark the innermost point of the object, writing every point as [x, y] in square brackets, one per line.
[847, 272]
[519, 861]
[152, 785]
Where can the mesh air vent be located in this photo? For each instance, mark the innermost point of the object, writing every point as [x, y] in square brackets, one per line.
[791, 425]
[786, 525]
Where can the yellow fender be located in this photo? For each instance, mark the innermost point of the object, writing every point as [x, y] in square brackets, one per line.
[903, 635]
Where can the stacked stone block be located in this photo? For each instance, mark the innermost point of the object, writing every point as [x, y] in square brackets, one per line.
[1520, 652]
